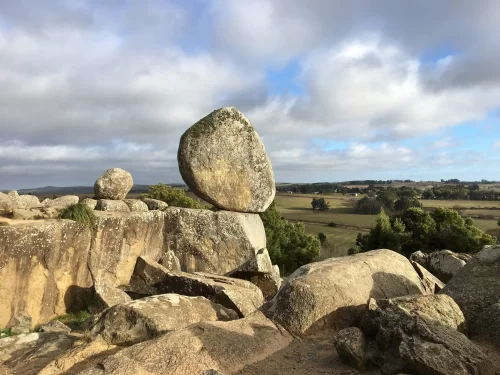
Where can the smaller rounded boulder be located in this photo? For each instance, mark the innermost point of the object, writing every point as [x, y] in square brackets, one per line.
[223, 161]
[114, 184]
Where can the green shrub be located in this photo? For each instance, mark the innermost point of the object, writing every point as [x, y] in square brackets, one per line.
[74, 320]
[321, 237]
[79, 212]
[172, 196]
[332, 224]
[5, 332]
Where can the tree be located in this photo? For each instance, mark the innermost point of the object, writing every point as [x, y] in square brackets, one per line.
[321, 237]
[172, 196]
[320, 204]
[414, 229]
[287, 243]
[406, 202]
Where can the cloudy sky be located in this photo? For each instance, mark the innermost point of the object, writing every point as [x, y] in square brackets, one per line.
[337, 90]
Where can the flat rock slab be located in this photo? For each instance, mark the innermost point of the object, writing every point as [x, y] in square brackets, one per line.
[238, 295]
[222, 346]
[145, 318]
[223, 161]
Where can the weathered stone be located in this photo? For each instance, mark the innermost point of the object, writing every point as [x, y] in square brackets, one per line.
[6, 204]
[20, 323]
[108, 295]
[333, 293]
[26, 202]
[155, 204]
[136, 205]
[443, 264]
[477, 286]
[269, 284]
[27, 354]
[64, 201]
[170, 261]
[149, 270]
[431, 283]
[112, 206]
[84, 353]
[13, 195]
[486, 326]
[223, 161]
[120, 239]
[222, 346]
[114, 184]
[239, 295]
[143, 319]
[352, 347]
[416, 335]
[55, 326]
[23, 214]
[52, 212]
[91, 203]
[43, 269]
[215, 242]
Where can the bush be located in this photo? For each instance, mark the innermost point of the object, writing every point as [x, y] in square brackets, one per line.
[321, 237]
[79, 212]
[332, 224]
[172, 196]
[354, 250]
[368, 206]
[320, 204]
[288, 245]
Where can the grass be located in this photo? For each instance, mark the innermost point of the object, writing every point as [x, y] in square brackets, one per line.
[6, 332]
[74, 320]
[81, 213]
[338, 240]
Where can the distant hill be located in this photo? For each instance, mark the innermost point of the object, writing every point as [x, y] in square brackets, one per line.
[80, 190]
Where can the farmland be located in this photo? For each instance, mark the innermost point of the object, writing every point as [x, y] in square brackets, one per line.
[297, 207]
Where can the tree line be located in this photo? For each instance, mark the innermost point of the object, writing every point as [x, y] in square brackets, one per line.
[461, 192]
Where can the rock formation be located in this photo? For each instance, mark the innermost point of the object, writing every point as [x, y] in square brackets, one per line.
[223, 161]
[114, 184]
[443, 264]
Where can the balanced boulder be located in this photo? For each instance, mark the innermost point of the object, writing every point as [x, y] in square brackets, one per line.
[223, 161]
[333, 293]
[143, 319]
[115, 184]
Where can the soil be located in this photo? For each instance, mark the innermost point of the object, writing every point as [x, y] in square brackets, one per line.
[309, 356]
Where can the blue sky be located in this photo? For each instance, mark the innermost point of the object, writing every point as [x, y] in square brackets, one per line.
[337, 90]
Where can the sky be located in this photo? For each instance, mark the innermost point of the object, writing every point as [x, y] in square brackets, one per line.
[337, 90]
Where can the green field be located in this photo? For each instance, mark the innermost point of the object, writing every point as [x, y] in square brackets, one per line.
[297, 207]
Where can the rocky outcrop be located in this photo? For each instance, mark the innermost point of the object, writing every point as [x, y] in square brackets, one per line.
[214, 242]
[91, 203]
[443, 264]
[20, 323]
[352, 347]
[238, 295]
[155, 204]
[477, 286]
[222, 346]
[6, 204]
[114, 184]
[64, 201]
[111, 206]
[107, 296]
[416, 336]
[136, 205]
[431, 283]
[486, 326]
[43, 269]
[223, 161]
[25, 202]
[143, 319]
[28, 354]
[333, 293]
[55, 326]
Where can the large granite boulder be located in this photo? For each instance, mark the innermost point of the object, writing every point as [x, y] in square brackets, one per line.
[477, 286]
[114, 184]
[223, 161]
[416, 337]
[90, 203]
[235, 294]
[24, 201]
[143, 319]
[136, 205]
[6, 204]
[431, 283]
[222, 346]
[443, 264]
[486, 326]
[333, 293]
[215, 242]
